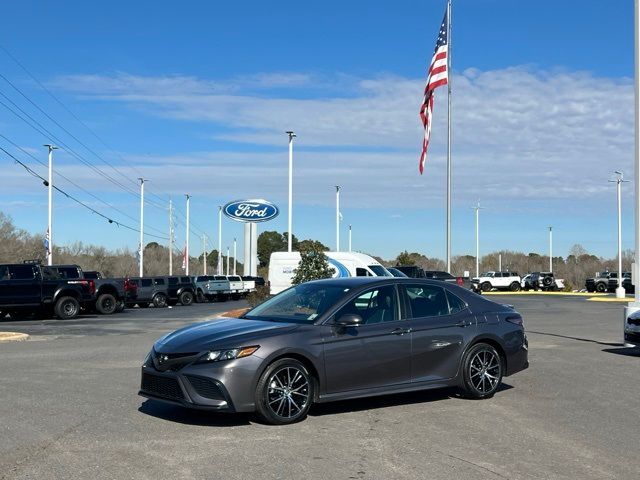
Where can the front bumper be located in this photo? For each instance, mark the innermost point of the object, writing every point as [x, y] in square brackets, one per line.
[222, 386]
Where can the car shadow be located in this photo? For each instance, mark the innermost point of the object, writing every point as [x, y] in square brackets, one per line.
[626, 351]
[608, 344]
[193, 417]
[393, 400]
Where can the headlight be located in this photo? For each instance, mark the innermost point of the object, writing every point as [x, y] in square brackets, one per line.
[231, 354]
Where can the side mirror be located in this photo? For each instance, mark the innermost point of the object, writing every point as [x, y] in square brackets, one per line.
[349, 320]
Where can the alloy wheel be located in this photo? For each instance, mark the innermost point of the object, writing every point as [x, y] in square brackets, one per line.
[485, 371]
[288, 392]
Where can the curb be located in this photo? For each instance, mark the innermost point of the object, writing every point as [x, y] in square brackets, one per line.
[564, 294]
[609, 299]
[13, 337]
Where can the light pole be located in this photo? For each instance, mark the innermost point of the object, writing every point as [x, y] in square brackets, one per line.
[186, 254]
[551, 249]
[220, 240]
[289, 228]
[337, 218]
[204, 253]
[171, 232]
[50, 217]
[477, 208]
[227, 260]
[235, 252]
[349, 238]
[141, 253]
[620, 293]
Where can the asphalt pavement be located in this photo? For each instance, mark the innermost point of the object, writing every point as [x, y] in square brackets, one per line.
[69, 409]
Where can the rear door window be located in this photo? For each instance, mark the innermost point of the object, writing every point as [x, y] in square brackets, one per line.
[374, 306]
[427, 301]
[173, 280]
[159, 281]
[362, 272]
[146, 282]
[68, 272]
[22, 272]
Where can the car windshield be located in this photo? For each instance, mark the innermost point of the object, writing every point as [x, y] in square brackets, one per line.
[380, 271]
[300, 304]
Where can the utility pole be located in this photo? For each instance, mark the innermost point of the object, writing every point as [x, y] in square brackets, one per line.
[50, 193]
[551, 249]
[227, 260]
[337, 218]
[477, 208]
[141, 253]
[620, 292]
[187, 237]
[235, 262]
[204, 253]
[290, 227]
[171, 233]
[349, 238]
[220, 240]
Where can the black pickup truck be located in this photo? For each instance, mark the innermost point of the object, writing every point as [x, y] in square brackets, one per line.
[414, 271]
[29, 288]
[112, 294]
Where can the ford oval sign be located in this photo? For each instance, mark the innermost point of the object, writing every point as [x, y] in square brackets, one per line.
[251, 210]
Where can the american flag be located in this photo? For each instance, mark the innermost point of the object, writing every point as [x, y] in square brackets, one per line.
[438, 76]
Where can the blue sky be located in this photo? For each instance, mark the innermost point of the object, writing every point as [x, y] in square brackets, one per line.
[196, 97]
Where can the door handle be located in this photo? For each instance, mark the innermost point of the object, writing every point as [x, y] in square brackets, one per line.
[463, 323]
[401, 331]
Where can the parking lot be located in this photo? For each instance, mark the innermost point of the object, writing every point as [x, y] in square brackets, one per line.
[70, 409]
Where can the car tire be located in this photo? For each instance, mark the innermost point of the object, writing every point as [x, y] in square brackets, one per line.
[66, 308]
[106, 304]
[160, 300]
[477, 362]
[200, 298]
[547, 281]
[601, 287]
[284, 392]
[514, 287]
[486, 287]
[186, 298]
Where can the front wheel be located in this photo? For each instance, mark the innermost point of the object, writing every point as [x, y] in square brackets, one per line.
[284, 393]
[515, 286]
[486, 287]
[200, 298]
[186, 298]
[601, 287]
[482, 370]
[67, 308]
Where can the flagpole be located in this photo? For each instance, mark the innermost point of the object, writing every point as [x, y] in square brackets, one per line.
[449, 136]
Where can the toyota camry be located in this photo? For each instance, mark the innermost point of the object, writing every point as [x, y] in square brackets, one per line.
[338, 339]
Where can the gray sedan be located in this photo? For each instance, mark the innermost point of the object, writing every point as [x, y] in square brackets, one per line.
[337, 339]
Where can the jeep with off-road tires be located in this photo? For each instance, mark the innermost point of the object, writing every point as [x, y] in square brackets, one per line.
[180, 290]
[545, 281]
[600, 283]
[488, 281]
[151, 291]
[27, 288]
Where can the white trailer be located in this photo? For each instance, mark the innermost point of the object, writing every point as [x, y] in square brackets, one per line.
[344, 264]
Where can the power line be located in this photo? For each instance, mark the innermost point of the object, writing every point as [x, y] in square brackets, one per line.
[71, 197]
[70, 112]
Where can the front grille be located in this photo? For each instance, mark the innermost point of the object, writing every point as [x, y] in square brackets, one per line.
[172, 361]
[161, 386]
[206, 388]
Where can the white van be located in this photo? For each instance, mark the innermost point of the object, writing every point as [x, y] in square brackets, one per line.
[344, 264]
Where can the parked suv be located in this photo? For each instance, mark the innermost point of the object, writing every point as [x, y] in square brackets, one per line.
[31, 288]
[412, 271]
[626, 283]
[150, 291]
[180, 290]
[542, 281]
[487, 281]
[463, 282]
[600, 282]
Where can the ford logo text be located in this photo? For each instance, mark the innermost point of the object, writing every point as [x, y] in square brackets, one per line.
[251, 210]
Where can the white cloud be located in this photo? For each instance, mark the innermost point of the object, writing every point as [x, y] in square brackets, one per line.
[521, 137]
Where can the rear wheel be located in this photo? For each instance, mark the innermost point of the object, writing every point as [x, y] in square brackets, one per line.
[482, 370]
[106, 304]
[486, 287]
[514, 287]
[186, 298]
[67, 308]
[284, 393]
[160, 300]
[200, 298]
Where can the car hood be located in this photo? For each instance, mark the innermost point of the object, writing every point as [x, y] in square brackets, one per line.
[225, 332]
